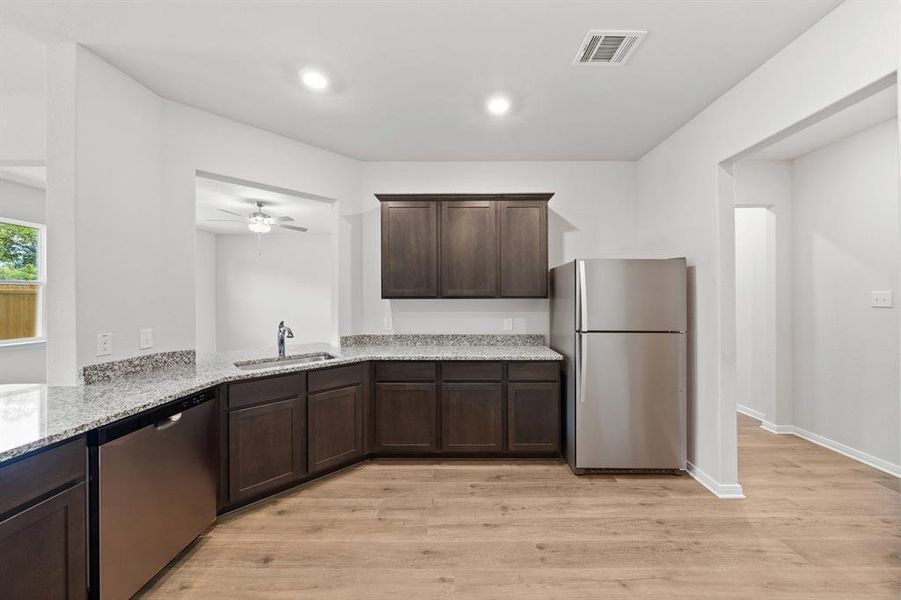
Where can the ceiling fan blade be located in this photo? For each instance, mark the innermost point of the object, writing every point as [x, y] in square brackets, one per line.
[284, 219]
[292, 227]
[228, 221]
[231, 212]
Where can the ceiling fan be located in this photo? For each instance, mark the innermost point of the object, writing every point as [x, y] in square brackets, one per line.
[259, 221]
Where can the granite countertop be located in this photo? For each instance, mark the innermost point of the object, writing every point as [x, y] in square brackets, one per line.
[33, 416]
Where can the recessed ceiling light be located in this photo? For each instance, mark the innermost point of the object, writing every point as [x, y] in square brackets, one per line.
[315, 80]
[498, 105]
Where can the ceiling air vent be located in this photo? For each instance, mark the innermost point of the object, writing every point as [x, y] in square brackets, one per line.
[608, 47]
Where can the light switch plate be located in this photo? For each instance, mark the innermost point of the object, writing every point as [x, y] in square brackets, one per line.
[881, 299]
[508, 324]
[146, 338]
[387, 324]
[104, 344]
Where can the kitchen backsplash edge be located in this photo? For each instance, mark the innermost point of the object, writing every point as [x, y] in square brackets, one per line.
[107, 371]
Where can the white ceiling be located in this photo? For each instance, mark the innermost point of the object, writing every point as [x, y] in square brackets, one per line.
[876, 109]
[212, 195]
[32, 176]
[410, 77]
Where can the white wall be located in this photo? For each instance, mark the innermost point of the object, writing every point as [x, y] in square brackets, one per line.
[121, 177]
[196, 140]
[122, 274]
[22, 363]
[590, 215]
[753, 346]
[23, 100]
[846, 243]
[23, 127]
[679, 211]
[290, 281]
[205, 291]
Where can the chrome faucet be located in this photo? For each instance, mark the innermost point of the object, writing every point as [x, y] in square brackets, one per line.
[283, 332]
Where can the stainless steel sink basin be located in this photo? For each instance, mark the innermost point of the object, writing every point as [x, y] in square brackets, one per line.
[296, 359]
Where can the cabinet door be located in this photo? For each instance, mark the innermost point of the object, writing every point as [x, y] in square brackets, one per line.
[533, 417]
[472, 418]
[409, 249]
[405, 417]
[469, 248]
[523, 253]
[266, 447]
[42, 549]
[336, 427]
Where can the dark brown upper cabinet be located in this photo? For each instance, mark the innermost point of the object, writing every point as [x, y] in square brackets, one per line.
[409, 249]
[468, 249]
[464, 245]
[523, 248]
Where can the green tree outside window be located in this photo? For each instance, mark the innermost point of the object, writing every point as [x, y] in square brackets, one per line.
[18, 252]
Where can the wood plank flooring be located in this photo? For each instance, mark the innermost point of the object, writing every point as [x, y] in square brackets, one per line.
[815, 526]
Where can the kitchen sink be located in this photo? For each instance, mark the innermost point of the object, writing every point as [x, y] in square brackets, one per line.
[296, 359]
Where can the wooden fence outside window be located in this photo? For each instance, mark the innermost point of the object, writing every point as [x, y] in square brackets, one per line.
[18, 311]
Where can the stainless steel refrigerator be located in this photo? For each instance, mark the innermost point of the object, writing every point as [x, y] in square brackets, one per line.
[621, 325]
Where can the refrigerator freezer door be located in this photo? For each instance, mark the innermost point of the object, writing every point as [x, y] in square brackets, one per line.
[631, 295]
[631, 401]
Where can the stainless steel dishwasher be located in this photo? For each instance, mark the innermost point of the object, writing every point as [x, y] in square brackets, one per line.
[153, 491]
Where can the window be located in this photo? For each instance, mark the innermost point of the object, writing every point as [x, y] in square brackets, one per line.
[21, 280]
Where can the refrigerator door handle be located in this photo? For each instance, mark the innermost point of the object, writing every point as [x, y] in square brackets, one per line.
[583, 363]
[583, 297]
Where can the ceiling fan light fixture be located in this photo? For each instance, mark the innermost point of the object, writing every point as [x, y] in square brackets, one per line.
[259, 227]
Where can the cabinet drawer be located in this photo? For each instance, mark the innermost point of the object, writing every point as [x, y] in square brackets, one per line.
[405, 371]
[533, 371]
[258, 391]
[466, 370]
[328, 379]
[28, 478]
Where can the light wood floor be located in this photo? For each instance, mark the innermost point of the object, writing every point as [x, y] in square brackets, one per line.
[815, 525]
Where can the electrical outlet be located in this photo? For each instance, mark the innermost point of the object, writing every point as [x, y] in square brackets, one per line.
[104, 344]
[146, 338]
[387, 324]
[508, 324]
[881, 299]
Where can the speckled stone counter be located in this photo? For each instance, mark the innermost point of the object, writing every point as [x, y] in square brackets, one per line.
[34, 416]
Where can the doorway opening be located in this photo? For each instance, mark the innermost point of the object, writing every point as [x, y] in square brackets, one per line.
[263, 255]
[814, 218]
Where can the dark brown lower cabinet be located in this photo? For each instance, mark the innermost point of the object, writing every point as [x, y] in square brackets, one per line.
[533, 417]
[472, 417]
[406, 417]
[43, 549]
[335, 427]
[266, 447]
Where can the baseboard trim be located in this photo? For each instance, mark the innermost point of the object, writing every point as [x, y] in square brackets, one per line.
[747, 410]
[867, 459]
[726, 491]
[777, 429]
[815, 438]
